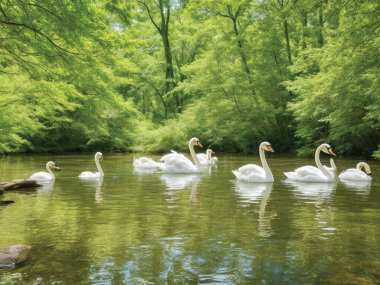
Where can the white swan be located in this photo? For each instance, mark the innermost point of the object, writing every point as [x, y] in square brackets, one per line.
[312, 173]
[144, 163]
[100, 173]
[357, 173]
[178, 163]
[206, 158]
[253, 172]
[43, 176]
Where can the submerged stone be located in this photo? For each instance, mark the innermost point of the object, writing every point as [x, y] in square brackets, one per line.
[12, 255]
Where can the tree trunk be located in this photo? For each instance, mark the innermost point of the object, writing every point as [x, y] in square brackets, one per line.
[320, 39]
[288, 50]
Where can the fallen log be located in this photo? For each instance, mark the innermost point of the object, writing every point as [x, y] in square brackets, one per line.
[19, 184]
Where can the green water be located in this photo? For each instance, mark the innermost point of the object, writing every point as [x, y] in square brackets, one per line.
[136, 228]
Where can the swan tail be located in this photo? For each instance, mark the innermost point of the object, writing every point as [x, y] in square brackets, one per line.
[289, 175]
[237, 174]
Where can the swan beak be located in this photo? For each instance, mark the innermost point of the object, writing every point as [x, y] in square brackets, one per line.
[57, 168]
[331, 151]
[199, 144]
[270, 148]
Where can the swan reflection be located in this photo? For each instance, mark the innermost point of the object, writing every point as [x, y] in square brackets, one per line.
[97, 184]
[179, 181]
[258, 193]
[312, 190]
[175, 182]
[46, 187]
[364, 187]
[252, 192]
[142, 171]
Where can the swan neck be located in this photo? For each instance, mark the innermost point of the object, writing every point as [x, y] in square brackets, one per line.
[360, 165]
[268, 172]
[332, 164]
[193, 155]
[51, 172]
[319, 164]
[100, 170]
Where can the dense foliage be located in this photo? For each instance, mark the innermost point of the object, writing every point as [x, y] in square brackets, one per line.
[147, 75]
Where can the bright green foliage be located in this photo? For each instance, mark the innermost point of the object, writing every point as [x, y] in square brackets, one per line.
[148, 75]
[338, 94]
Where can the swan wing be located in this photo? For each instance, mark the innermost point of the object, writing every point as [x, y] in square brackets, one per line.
[40, 176]
[88, 174]
[179, 164]
[250, 173]
[251, 168]
[171, 155]
[144, 162]
[307, 174]
[354, 174]
[202, 158]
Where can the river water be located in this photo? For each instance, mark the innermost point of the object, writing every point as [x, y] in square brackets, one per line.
[153, 228]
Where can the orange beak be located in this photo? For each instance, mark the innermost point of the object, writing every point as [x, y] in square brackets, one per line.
[199, 144]
[270, 148]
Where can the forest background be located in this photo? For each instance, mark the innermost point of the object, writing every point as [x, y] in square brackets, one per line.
[147, 75]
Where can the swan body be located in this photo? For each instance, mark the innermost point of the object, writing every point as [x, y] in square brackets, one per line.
[312, 173]
[43, 176]
[356, 173]
[172, 154]
[253, 172]
[144, 162]
[99, 174]
[206, 158]
[178, 163]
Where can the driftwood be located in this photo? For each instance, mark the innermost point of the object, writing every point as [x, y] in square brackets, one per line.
[19, 184]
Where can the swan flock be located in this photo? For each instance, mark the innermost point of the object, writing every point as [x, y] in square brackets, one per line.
[177, 163]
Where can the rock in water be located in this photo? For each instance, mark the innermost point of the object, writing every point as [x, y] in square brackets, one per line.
[12, 255]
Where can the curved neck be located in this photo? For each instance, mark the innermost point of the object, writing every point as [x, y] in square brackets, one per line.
[51, 172]
[193, 155]
[268, 172]
[100, 170]
[319, 164]
[360, 165]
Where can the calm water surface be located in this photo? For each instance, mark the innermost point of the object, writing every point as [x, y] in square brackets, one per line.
[141, 228]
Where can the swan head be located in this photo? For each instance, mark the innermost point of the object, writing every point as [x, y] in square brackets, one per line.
[266, 146]
[98, 156]
[210, 151]
[326, 148]
[195, 141]
[53, 165]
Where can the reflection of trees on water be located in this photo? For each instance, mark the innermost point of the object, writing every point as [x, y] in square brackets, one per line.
[257, 193]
